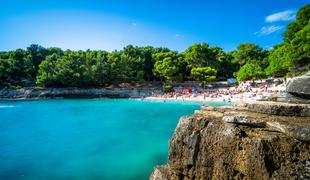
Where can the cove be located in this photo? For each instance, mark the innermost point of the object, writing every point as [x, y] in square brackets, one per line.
[86, 138]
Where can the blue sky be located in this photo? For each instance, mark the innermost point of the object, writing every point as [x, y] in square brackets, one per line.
[176, 24]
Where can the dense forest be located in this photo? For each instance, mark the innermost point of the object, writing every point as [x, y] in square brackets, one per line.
[53, 67]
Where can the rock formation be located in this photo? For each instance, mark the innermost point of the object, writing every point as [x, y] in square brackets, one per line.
[300, 86]
[261, 140]
[241, 143]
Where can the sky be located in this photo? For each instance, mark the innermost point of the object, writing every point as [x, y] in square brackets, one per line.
[111, 25]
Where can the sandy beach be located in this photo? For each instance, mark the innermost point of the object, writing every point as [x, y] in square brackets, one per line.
[242, 97]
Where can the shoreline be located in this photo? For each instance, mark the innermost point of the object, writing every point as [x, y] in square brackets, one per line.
[198, 99]
[147, 99]
[73, 92]
[192, 99]
[126, 93]
[240, 98]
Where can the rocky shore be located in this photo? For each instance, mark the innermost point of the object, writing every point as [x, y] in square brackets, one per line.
[23, 93]
[257, 140]
[241, 143]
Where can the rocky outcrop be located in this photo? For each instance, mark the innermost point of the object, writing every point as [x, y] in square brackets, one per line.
[240, 143]
[278, 108]
[300, 86]
[77, 92]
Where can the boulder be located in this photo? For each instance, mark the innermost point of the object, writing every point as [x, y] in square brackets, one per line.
[300, 86]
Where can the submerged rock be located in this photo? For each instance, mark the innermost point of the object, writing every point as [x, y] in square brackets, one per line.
[240, 143]
[300, 86]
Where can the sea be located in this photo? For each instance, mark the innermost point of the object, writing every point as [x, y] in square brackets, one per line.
[86, 139]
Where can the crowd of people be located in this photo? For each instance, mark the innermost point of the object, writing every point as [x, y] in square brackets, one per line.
[242, 92]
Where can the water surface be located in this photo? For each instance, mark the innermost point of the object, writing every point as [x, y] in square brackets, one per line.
[86, 139]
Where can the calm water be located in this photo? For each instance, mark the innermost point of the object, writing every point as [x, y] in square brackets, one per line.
[86, 139]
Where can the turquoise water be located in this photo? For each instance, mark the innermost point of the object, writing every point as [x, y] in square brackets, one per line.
[86, 139]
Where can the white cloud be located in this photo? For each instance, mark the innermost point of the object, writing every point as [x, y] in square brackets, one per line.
[281, 16]
[266, 30]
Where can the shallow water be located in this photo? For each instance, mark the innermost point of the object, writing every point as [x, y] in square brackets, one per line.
[86, 139]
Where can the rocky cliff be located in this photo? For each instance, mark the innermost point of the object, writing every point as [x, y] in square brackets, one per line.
[262, 140]
[77, 92]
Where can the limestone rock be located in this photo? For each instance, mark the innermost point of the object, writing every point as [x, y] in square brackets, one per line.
[300, 86]
[279, 108]
[243, 120]
[294, 130]
[158, 173]
[238, 143]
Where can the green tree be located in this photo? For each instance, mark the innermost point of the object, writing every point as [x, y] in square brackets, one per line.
[218, 53]
[204, 74]
[302, 20]
[169, 65]
[132, 64]
[301, 49]
[201, 55]
[118, 68]
[37, 54]
[280, 60]
[249, 53]
[226, 67]
[98, 67]
[132, 57]
[148, 63]
[47, 71]
[74, 68]
[292, 57]
[250, 71]
[15, 68]
[5, 77]
[252, 61]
